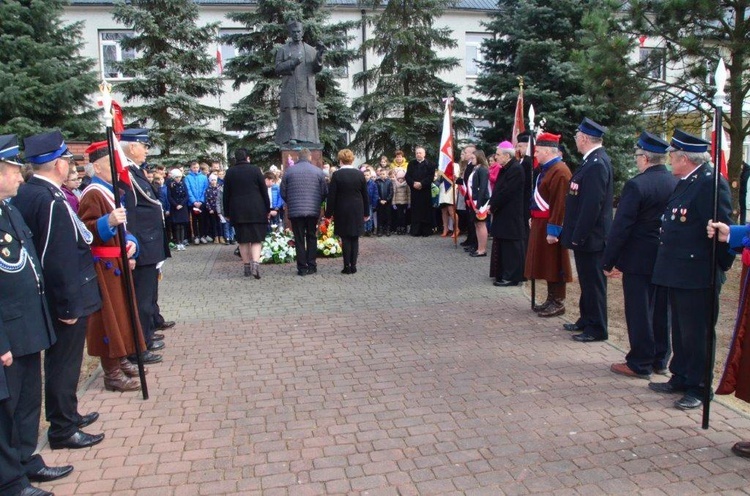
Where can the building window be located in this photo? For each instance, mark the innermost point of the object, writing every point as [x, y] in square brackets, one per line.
[654, 62]
[110, 52]
[229, 51]
[474, 53]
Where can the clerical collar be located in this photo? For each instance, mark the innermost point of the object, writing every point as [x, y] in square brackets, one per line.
[589, 152]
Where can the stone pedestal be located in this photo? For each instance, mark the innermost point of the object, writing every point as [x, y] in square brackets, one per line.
[316, 157]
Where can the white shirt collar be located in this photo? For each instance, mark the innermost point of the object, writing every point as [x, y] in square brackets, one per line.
[58, 186]
[589, 152]
[689, 173]
[347, 167]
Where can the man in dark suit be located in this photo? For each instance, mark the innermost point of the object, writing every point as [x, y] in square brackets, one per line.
[527, 162]
[508, 219]
[631, 248]
[25, 330]
[146, 223]
[62, 242]
[419, 176]
[588, 217]
[470, 243]
[683, 265]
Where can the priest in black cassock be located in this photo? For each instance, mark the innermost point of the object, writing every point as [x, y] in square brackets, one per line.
[419, 176]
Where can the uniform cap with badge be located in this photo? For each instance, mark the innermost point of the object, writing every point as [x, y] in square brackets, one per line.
[651, 143]
[136, 135]
[591, 128]
[684, 142]
[45, 147]
[9, 149]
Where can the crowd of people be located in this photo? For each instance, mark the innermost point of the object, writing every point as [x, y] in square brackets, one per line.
[65, 250]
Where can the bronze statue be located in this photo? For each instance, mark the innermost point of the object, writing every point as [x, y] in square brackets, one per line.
[297, 63]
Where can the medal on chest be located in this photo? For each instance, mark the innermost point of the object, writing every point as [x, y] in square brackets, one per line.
[683, 214]
[574, 188]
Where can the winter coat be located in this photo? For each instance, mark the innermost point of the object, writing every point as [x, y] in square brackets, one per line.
[303, 189]
[196, 184]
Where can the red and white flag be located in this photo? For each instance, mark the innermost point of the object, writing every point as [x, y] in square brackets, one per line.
[219, 60]
[121, 162]
[118, 125]
[445, 160]
[723, 153]
[518, 126]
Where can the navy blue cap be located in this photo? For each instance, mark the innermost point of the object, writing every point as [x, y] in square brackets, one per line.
[684, 142]
[587, 126]
[136, 134]
[9, 149]
[523, 137]
[45, 147]
[652, 143]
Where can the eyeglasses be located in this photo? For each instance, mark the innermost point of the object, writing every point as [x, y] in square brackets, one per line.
[639, 154]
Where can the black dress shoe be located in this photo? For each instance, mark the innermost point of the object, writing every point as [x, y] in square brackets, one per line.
[167, 324]
[77, 441]
[664, 387]
[742, 449]
[571, 327]
[147, 357]
[158, 337]
[34, 491]
[312, 270]
[464, 243]
[688, 402]
[88, 419]
[477, 254]
[504, 284]
[301, 272]
[470, 248]
[346, 270]
[156, 345]
[47, 474]
[587, 338]
[353, 270]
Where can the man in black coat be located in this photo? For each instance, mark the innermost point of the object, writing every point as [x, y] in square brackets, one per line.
[683, 265]
[25, 330]
[62, 242]
[527, 162]
[146, 223]
[508, 219]
[468, 157]
[419, 176]
[631, 248]
[588, 217]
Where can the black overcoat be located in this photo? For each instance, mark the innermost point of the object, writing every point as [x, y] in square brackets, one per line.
[246, 195]
[421, 199]
[145, 217]
[506, 203]
[348, 201]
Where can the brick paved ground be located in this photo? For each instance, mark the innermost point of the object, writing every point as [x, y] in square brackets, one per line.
[414, 376]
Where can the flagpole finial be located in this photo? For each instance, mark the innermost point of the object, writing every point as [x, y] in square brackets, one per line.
[105, 88]
[720, 78]
[532, 115]
[520, 82]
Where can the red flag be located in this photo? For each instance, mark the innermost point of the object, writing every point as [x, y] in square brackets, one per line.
[219, 61]
[518, 126]
[445, 160]
[117, 121]
[724, 152]
[120, 162]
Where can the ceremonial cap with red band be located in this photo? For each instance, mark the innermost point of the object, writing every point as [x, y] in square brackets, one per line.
[97, 150]
[548, 139]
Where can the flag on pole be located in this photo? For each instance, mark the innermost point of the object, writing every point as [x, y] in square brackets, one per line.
[518, 126]
[445, 161]
[724, 152]
[120, 161]
[118, 125]
[219, 60]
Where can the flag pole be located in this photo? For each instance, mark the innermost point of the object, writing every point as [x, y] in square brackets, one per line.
[106, 89]
[532, 145]
[721, 79]
[455, 176]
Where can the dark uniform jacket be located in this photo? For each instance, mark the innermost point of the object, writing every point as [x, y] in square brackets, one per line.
[348, 201]
[246, 195]
[588, 206]
[529, 179]
[506, 203]
[62, 242]
[26, 326]
[684, 255]
[145, 218]
[421, 199]
[634, 237]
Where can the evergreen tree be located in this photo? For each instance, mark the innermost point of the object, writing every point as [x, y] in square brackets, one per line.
[45, 81]
[573, 66]
[405, 108]
[256, 114]
[693, 34]
[173, 71]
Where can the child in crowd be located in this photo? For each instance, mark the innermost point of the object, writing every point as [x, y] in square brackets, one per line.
[226, 227]
[197, 184]
[277, 204]
[399, 161]
[163, 195]
[178, 208]
[212, 197]
[385, 203]
[372, 191]
[384, 163]
[401, 201]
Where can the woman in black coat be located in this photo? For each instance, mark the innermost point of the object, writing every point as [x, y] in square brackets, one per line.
[178, 208]
[479, 185]
[247, 205]
[347, 203]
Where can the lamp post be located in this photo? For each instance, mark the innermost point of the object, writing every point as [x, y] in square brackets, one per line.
[720, 79]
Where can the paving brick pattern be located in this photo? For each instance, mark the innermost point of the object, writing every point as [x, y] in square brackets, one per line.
[414, 376]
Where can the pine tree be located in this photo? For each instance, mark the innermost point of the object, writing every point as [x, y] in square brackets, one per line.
[174, 70]
[693, 34]
[256, 114]
[405, 108]
[573, 66]
[45, 82]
